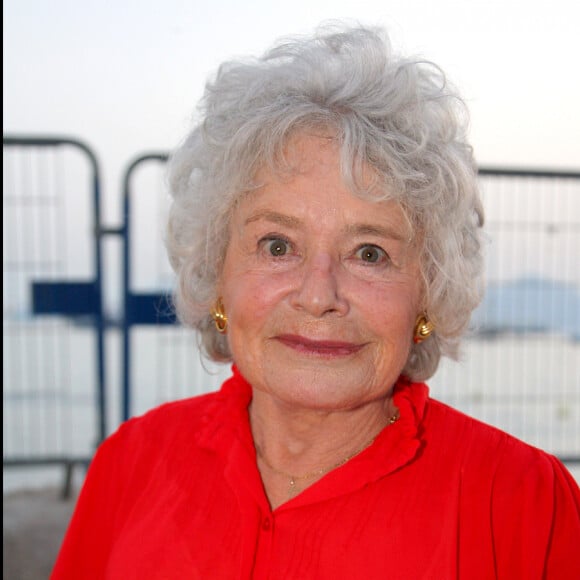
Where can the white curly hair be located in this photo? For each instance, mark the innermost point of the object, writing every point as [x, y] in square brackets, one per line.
[396, 114]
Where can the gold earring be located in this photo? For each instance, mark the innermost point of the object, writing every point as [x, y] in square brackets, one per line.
[423, 329]
[219, 316]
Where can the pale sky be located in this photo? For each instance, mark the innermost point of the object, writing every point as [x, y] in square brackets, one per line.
[125, 75]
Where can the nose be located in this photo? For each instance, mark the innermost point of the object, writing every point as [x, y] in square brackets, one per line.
[319, 289]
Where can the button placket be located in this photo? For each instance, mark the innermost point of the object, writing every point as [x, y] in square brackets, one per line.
[263, 555]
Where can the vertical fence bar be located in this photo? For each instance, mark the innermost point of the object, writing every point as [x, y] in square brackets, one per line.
[128, 295]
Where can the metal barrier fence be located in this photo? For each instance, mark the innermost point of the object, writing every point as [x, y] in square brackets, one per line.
[521, 369]
[53, 333]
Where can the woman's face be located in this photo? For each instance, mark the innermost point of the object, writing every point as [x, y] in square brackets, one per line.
[321, 288]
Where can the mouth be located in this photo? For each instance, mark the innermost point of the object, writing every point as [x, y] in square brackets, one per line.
[321, 348]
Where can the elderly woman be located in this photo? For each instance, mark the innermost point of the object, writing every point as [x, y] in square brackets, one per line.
[326, 235]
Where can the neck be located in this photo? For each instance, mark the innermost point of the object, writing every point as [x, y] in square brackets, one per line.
[296, 447]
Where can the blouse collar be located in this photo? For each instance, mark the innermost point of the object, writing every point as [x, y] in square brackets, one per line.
[395, 446]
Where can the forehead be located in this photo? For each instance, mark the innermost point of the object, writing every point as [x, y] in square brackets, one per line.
[310, 183]
[319, 153]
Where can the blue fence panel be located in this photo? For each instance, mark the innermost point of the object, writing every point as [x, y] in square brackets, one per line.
[54, 410]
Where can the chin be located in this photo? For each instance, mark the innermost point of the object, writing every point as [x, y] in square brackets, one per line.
[321, 389]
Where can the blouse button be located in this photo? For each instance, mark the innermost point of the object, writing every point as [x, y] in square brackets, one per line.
[266, 524]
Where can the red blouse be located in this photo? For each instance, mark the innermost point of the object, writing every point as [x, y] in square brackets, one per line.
[176, 494]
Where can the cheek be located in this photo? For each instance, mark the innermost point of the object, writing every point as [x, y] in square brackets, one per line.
[251, 297]
[252, 306]
[390, 309]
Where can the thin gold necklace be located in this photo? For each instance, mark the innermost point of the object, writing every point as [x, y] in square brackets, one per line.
[292, 479]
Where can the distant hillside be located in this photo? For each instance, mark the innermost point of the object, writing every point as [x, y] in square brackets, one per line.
[529, 305]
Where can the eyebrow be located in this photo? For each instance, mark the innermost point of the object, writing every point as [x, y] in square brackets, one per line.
[382, 231]
[357, 229]
[275, 217]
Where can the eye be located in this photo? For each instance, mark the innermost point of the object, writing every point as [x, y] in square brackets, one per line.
[277, 246]
[371, 254]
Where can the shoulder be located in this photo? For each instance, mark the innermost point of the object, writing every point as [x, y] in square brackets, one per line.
[193, 409]
[168, 424]
[523, 495]
[474, 437]
[165, 432]
[495, 459]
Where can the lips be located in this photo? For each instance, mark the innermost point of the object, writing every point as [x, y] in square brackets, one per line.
[324, 348]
